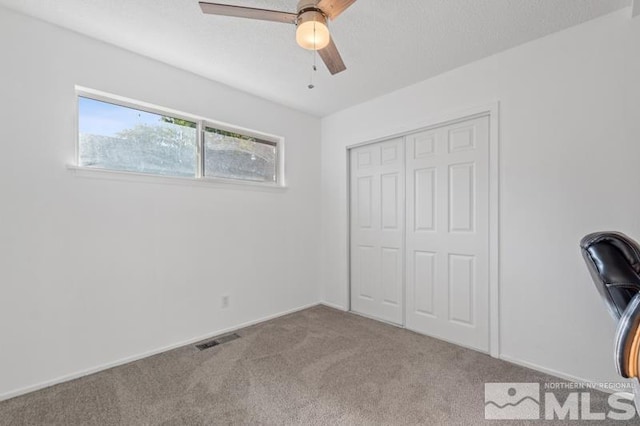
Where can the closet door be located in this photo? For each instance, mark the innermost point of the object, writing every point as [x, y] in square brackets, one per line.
[447, 234]
[377, 230]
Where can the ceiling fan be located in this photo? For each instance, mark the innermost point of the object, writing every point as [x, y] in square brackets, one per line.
[310, 19]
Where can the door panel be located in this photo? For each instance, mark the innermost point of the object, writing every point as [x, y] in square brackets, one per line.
[364, 206]
[391, 276]
[461, 197]
[364, 257]
[461, 288]
[424, 281]
[390, 201]
[447, 235]
[425, 199]
[377, 230]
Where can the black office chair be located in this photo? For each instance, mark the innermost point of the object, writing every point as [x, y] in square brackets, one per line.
[613, 260]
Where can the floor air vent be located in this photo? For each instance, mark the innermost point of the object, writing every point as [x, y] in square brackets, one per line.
[217, 341]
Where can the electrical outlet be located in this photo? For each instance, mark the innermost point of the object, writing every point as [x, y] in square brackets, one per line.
[225, 302]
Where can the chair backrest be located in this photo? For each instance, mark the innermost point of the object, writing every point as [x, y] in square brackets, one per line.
[613, 260]
[627, 334]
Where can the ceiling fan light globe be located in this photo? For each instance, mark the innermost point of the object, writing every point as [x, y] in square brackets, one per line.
[312, 32]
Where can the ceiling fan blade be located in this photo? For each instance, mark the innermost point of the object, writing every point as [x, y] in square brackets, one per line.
[331, 58]
[333, 8]
[248, 12]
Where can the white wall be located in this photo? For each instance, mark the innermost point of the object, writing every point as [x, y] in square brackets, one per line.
[93, 271]
[570, 164]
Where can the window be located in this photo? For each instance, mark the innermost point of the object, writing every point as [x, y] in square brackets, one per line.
[235, 156]
[124, 136]
[115, 137]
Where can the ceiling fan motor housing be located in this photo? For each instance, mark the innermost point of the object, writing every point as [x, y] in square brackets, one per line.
[307, 4]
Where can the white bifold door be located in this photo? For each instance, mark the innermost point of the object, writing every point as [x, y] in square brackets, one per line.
[420, 232]
[377, 230]
[447, 233]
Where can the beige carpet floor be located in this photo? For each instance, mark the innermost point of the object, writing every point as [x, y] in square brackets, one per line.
[315, 367]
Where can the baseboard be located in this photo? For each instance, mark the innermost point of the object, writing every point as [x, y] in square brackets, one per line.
[371, 317]
[334, 306]
[562, 375]
[28, 389]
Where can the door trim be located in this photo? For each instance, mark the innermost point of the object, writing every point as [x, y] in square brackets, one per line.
[492, 110]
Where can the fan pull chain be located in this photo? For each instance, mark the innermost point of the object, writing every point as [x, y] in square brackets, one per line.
[314, 68]
[315, 54]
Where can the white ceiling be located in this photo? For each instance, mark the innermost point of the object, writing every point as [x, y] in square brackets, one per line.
[385, 44]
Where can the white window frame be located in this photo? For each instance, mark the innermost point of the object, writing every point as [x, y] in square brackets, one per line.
[201, 123]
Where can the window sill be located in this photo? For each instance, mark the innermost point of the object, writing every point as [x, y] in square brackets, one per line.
[95, 173]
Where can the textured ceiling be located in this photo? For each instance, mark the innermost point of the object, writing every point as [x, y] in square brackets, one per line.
[385, 44]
